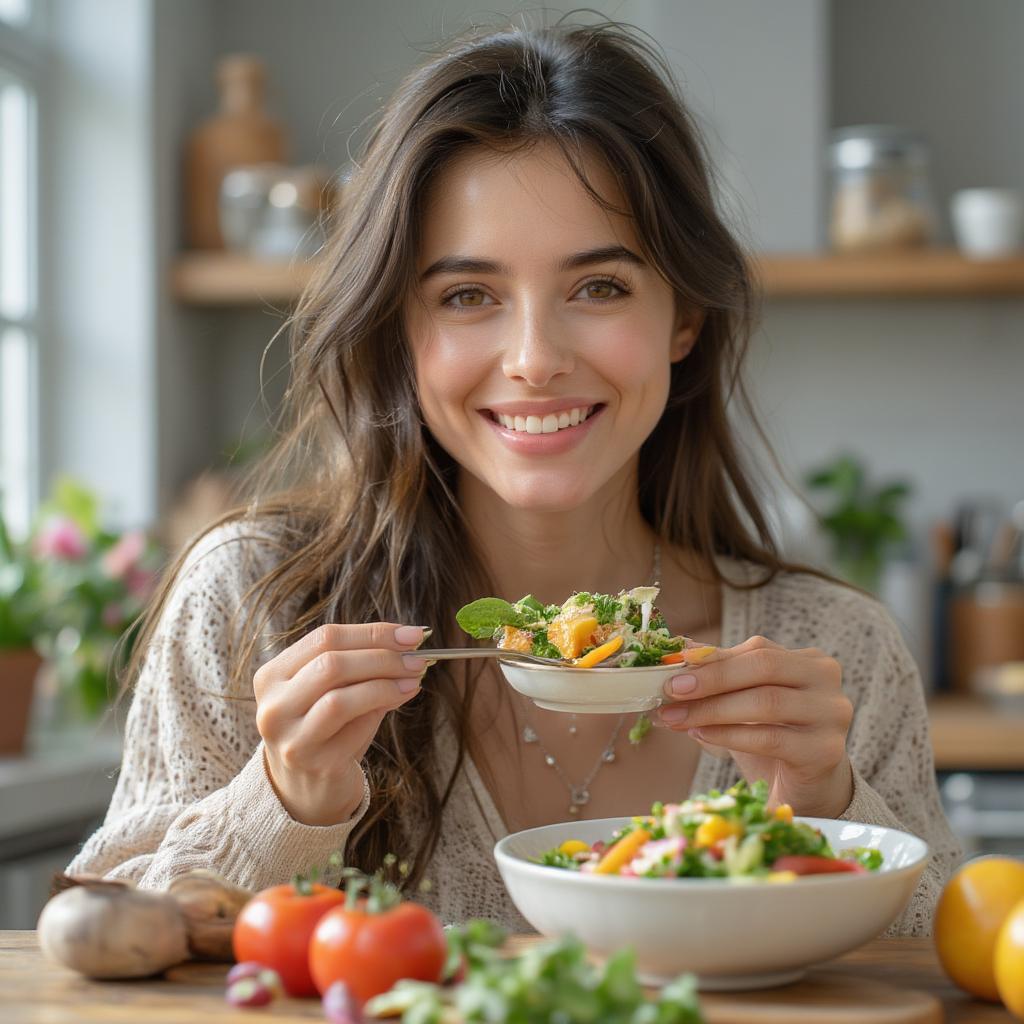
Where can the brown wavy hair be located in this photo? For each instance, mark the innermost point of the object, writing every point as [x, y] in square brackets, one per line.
[361, 496]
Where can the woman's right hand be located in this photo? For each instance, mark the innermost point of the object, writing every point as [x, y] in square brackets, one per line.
[319, 704]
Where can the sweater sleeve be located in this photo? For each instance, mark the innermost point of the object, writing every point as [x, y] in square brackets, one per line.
[893, 766]
[193, 789]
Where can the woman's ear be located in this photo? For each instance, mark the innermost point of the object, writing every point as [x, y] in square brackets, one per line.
[688, 326]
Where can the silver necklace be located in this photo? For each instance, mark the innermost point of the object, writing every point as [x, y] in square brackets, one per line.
[579, 793]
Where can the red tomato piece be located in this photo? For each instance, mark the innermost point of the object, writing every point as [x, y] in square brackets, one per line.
[370, 952]
[274, 929]
[809, 864]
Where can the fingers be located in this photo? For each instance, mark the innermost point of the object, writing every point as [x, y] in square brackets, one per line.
[755, 663]
[789, 745]
[783, 705]
[333, 669]
[341, 707]
[385, 636]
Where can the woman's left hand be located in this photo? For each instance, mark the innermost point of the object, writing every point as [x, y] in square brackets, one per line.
[781, 714]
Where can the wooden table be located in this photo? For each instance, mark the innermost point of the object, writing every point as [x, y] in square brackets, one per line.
[33, 991]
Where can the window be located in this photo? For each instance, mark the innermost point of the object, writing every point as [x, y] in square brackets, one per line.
[19, 328]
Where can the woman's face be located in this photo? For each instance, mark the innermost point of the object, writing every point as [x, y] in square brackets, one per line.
[542, 340]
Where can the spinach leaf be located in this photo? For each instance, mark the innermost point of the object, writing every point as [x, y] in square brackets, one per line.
[481, 618]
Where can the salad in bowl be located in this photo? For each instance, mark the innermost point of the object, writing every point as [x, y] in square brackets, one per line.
[720, 885]
[610, 653]
[730, 835]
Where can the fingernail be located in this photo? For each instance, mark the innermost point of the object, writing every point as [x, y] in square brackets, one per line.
[683, 684]
[674, 715]
[407, 636]
[414, 663]
[408, 685]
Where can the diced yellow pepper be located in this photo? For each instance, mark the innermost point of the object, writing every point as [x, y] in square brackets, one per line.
[784, 812]
[573, 846]
[781, 877]
[715, 827]
[622, 852]
[695, 655]
[598, 654]
[570, 635]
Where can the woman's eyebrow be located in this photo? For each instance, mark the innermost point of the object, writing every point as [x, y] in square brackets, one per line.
[476, 265]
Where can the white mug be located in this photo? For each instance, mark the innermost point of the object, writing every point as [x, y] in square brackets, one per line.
[987, 222]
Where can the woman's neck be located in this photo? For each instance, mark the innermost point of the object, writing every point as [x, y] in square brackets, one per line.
[602, 546]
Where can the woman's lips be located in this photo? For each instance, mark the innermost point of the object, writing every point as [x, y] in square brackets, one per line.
[542, 444]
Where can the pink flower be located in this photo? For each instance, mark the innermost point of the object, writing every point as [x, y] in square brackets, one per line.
[61, 538]
[123, 557]
[140, 582]
[112, 615]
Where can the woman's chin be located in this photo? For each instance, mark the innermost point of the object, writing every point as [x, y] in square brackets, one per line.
[544, 494]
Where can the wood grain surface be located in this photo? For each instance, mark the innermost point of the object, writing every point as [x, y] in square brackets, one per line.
[887, 980]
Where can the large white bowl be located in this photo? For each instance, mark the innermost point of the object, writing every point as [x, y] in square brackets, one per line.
[731, 935]
[591, 691]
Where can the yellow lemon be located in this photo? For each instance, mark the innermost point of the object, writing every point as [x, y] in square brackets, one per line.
[971, 910]
[1008, 964]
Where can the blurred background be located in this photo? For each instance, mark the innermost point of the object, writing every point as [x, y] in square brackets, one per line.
[163, 164]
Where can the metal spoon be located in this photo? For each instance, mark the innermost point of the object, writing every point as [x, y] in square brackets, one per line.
[462, 653]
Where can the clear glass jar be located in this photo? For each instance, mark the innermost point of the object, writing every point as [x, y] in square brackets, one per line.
[881, 197]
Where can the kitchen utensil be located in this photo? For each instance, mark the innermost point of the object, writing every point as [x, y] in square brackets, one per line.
[733, 935]
[986, 629]
[464, 653]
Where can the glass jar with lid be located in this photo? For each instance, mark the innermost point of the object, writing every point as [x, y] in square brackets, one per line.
[881, 197]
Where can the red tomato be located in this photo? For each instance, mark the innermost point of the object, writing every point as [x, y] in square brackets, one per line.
[370, 952]
[808, 864]
[274, 929]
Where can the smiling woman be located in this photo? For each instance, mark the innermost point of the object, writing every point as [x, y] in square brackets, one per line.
[510, 376]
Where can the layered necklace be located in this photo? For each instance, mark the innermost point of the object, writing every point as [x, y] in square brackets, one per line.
[579, 792]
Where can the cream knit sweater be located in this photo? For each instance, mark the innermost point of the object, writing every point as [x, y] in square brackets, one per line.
[193, 791]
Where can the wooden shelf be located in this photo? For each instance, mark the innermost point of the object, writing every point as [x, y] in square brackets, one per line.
[225, 279]
[927, 273]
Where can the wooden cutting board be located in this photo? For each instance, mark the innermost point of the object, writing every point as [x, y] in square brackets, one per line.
[893, 980]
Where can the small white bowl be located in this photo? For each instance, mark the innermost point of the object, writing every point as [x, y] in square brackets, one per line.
[591, 691]
[732, 935]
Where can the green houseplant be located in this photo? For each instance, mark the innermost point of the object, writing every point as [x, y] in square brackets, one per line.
[864, 522]
[69, 592]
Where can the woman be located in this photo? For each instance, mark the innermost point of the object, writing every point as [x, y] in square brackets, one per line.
[510, 376]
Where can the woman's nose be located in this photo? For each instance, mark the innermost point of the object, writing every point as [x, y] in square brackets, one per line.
[536, 352]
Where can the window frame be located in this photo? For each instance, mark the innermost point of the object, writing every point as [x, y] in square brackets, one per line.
[23, 58]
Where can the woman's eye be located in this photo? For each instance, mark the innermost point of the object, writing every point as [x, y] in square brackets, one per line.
[466, 298]
[598, 290]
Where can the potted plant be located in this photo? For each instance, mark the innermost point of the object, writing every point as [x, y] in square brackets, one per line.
[20, 625]
[94, 583]
[69, 593]
[864, 522]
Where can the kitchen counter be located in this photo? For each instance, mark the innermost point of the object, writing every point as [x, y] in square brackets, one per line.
[971, 734]
[887, 980]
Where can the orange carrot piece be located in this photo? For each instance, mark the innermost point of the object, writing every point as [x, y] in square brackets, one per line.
[619, 855]
[598, 654]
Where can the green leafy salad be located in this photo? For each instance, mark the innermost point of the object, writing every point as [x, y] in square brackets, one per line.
[715, 835]
[623, 630]
[552, 981]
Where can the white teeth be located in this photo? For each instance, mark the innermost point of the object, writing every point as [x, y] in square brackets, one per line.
[548, 424]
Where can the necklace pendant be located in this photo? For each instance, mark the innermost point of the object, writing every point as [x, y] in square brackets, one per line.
[529, 736]
[572, 725]
[549, 760]
[573, 809]
[609, 756]
[580, 796]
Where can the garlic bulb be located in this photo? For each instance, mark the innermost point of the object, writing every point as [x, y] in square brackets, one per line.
[113, 930]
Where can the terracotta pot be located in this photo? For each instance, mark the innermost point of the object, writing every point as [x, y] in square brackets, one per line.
[18, 669]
